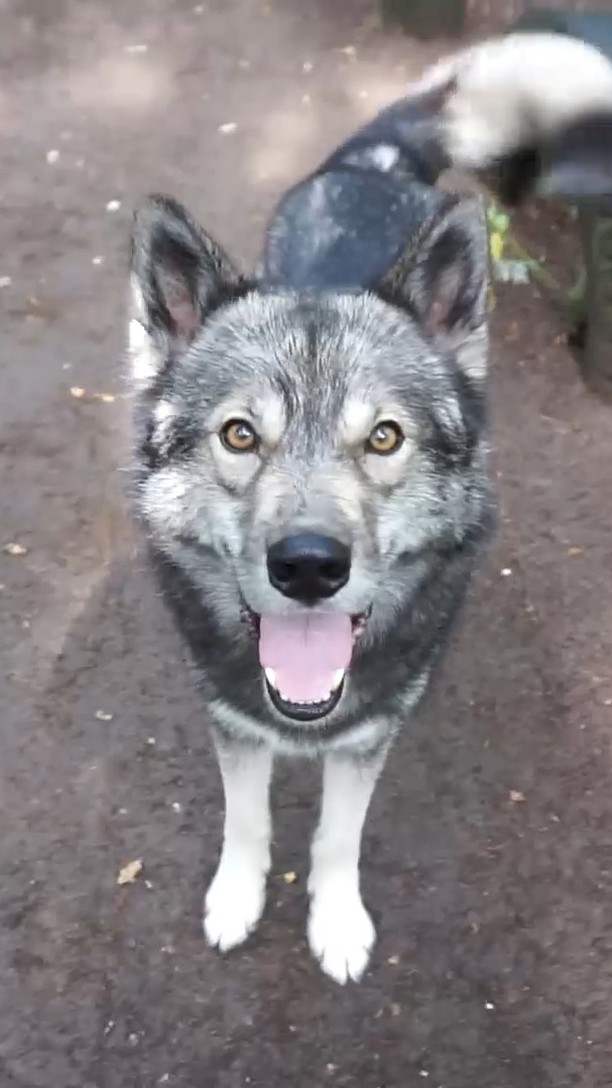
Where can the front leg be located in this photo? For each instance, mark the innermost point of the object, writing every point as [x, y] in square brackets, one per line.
[340, 930]
[236, 897]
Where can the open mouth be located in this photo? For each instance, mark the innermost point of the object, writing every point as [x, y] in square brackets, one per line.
[305, 658]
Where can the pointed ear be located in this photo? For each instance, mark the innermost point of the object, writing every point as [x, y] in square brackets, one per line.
[446, 280]
[179, 277]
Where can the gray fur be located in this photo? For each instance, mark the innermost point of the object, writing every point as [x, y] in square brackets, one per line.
[311, 371]
[369, 304]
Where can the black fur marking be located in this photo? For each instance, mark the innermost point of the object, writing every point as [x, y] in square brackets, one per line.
[178, 443]
[453, 447]
[577, 161]
[341, 230]
[346, 225]
[516, 176]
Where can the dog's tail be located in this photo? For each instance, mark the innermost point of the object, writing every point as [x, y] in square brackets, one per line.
[534, 110]
[536, 106]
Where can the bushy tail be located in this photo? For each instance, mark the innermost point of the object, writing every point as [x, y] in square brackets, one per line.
[534, 110]
[537, 106]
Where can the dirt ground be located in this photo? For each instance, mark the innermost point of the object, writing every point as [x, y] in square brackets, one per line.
[488, 854]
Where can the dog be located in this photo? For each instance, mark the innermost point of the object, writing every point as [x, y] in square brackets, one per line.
[310, 445]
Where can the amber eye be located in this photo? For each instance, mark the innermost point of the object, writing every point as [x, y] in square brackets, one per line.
[386, 438]
[238, 436]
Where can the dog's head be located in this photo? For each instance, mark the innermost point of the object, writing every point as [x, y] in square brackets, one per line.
[306, 438]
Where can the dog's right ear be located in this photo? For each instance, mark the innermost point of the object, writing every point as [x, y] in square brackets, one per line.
[179, 277]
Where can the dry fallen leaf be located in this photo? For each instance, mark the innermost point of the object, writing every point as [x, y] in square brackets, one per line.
[290, 878]
[77, 391]
[516, 797]
[130, 872]
[575, 551]
[106, 398]
[15, 549]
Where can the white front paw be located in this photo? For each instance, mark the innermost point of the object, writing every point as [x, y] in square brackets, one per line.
[340, 933]
[233, 905]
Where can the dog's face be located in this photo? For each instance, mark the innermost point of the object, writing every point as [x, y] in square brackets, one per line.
[299, 452]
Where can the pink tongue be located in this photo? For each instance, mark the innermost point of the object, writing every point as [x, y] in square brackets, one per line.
[305, 651]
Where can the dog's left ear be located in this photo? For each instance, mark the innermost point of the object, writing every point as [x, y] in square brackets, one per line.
[179, 277]
[444, 279]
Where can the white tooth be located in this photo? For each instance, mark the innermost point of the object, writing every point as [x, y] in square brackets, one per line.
[271, 677]
[338, 678]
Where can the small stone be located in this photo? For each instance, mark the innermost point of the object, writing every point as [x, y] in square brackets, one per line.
[516, 797]
[133, 1039]
[290, 877]
[151, 740]
[77, 391]
[53, 156]
[228, 128]
[176, 806]
[348, 50]
[15, 549]
[130, 872]
[106, 398]
[97, 260]
[575, 551]
[307, 66]
[103, 716]
[506, 572]
[5, 281]
[395, 1008]
[113, 205]
[489, 1005]
[393, 960]
[135, 49]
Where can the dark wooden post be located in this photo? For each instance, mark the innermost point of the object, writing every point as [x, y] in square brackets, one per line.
[595, 356]
[426, 18]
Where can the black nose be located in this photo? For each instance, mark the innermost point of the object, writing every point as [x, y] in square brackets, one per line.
[309, 567]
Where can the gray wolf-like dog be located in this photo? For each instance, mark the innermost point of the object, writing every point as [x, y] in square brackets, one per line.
[311, 444]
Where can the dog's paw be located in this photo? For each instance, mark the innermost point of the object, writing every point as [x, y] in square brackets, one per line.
[233, 907]
[341, 934]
